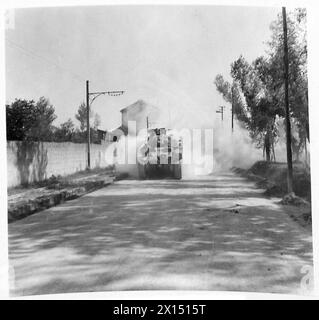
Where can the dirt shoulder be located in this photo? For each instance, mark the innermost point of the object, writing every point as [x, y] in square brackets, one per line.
[26, 200]
[272, 176]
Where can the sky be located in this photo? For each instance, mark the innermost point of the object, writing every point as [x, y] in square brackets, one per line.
[165, 55]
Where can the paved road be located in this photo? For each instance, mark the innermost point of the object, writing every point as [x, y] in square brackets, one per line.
[214, 233]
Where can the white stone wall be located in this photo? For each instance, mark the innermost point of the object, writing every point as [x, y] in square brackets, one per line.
[36, 161]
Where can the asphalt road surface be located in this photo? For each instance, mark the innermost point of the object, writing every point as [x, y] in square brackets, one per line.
[214, 233]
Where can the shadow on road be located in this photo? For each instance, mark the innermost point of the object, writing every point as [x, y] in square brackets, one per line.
[161, 235]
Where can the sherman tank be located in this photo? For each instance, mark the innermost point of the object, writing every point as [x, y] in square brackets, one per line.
[160, 156]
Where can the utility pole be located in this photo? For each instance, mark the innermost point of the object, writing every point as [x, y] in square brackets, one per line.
[88, 123]
[147, 124]
[306, 152]
[94, 95]
[288, 126]
[221, 110]
[232, 108]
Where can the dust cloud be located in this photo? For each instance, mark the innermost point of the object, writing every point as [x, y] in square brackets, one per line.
[211, 150]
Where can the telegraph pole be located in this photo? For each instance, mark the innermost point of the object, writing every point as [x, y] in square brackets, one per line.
[288, 126]
[232, 108]
[306, 152]
[221, 110]
[88, 123]
[94, 95]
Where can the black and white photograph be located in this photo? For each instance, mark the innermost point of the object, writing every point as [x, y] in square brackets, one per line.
[155, 147]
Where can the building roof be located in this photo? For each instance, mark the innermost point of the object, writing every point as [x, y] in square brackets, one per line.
[119, 129]
[139, 105]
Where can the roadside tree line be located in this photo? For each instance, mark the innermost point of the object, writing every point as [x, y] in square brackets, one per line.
[256, 89]
[28, 120]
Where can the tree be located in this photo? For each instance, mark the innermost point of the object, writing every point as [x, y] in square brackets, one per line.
[254, 81]
[81, 116]
[19, 118]
[65, 132]
[258, 88]
[252, 101]
[97, 121]
[297, 56]
[27, 120]
[44, 115]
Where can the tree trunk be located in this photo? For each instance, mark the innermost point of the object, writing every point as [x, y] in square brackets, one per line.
[287, 111]
[273, 151]
[267, 147]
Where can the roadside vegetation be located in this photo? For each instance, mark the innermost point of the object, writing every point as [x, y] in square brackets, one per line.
[256, 89]
[272, 176]
[28, 120]
[257, 92]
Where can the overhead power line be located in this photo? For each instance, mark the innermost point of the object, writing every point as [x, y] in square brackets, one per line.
[49, 61]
